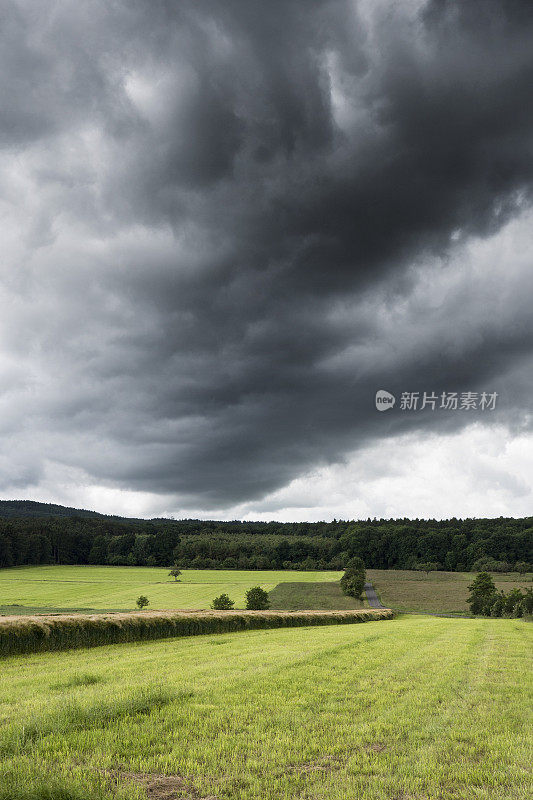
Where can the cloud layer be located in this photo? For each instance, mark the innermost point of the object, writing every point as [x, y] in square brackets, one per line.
[226, 225]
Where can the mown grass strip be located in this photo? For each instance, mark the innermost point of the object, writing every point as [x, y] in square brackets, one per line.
[36, 634]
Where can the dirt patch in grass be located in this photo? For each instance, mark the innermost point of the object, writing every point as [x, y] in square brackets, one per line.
[322, 764]
[376, 747]
[159, 787]
[404, 796]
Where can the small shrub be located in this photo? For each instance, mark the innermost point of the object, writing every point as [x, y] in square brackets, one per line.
[222, 603]
[142, 601]
[257, 599]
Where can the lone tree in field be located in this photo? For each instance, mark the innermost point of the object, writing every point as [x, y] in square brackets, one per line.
[257, 599]
[427, 567]
[483, 594]
[353, 580]
[175, 572]
[142, 601]
[222, 603]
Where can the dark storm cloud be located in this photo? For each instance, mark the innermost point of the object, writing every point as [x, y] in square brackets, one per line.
[227, 209]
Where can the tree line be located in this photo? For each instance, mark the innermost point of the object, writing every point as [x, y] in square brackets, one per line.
[454, 545]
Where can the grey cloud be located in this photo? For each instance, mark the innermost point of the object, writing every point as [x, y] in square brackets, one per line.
[225, 204]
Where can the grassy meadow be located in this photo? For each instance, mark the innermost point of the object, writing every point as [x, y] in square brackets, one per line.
[302, 595]
[52, 588]
[445, 592]
[348, 711]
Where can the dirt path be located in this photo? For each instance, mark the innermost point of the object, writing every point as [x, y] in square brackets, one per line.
[371, 596]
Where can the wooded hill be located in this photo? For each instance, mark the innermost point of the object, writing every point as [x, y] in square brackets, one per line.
[38, 533]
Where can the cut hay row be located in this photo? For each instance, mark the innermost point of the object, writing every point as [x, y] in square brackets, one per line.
[62, 632]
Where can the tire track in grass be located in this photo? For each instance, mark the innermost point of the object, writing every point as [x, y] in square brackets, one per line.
[407, 728]
[423, 766]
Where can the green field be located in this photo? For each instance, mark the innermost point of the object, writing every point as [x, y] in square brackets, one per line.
[301, 596]
[446, 592]
[116, 588]
[56, 588]
[348, 711]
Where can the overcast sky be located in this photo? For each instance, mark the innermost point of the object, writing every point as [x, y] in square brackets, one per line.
[226, 225]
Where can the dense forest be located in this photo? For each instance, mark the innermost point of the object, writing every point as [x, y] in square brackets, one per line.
[34, 533]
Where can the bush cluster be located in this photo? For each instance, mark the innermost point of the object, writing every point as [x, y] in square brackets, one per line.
[484, 599]
[256, 600]
[488, 564]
